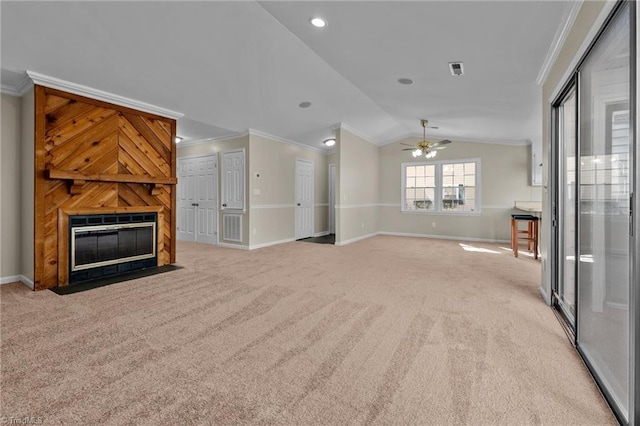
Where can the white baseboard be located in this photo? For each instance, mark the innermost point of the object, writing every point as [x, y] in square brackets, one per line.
[544, 295]
[364, 237]
[17, 278]
[353, 240]
[234, 246]
[443, 237]
[270, 243]
[10, 279]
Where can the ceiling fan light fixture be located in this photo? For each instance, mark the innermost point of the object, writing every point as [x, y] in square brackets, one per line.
[424, 147]
[330, 142]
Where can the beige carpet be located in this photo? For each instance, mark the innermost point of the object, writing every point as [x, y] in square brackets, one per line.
[387, 330]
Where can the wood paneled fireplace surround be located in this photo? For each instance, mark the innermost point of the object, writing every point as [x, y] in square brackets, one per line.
[105, 198]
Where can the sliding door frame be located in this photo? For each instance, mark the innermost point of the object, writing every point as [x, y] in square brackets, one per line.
[634, 222]
[559, 178]
[555, 152]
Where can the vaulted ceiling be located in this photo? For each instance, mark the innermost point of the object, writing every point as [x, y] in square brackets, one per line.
[231, 66]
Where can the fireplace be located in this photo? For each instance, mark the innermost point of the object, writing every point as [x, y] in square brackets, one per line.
[104, 245]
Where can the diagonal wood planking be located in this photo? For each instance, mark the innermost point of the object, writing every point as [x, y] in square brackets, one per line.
[84, 135]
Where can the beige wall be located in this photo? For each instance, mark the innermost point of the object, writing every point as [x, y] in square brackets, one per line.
[17, 158]
[504, 180]
[217, 147]
[10, 218]
[358, 183]
[272, 211]
[269, 216]
[585, 20]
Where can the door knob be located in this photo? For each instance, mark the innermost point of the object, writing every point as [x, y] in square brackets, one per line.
[298, 204]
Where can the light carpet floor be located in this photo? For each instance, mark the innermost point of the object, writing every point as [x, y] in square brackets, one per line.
[388, 330]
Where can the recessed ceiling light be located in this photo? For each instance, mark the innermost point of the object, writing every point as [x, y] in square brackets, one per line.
[304, 104]
[178, 139]
[330, 142]
[405, 81]
[318, 22]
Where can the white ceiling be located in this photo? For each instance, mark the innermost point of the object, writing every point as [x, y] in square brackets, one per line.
[233, 66]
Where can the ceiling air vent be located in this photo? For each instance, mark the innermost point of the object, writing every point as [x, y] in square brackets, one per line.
[456, 68]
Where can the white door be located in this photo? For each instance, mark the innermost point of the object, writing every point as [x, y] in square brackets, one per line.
[304, 199]
[186, 200]
[197, 199]
[332, 198]
[233, 180]
[206, 199]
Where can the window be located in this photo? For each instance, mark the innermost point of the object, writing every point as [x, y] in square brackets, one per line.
[420, 187]
[441, 186]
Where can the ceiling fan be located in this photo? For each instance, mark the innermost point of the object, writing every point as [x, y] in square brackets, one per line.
[425, 147]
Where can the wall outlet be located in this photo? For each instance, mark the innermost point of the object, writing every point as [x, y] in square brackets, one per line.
[256, 191]
[433, 224]
[362, 224]
[255, 231]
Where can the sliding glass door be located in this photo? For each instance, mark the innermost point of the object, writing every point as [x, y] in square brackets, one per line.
[604, 182]
[594, 172]
[565, 291]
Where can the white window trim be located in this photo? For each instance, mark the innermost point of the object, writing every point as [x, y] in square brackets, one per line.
[438, 180]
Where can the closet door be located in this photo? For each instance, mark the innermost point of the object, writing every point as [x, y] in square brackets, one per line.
[207, 199]
[197, 199]
[186, 200]
[233, 180]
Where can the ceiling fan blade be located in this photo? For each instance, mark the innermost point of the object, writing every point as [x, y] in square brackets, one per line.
[433, 127]
[439, 147]
[405, 144]
[442, 142]
[409, 149]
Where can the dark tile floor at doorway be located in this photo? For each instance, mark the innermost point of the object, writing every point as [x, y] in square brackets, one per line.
[325, 239]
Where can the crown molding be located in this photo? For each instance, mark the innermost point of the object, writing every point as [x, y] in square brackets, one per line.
[9, 90]
[345, 126]
[210, 140]
[509, 142]
[78, 89]
[18, 90]
[254, 132]
[569, 17]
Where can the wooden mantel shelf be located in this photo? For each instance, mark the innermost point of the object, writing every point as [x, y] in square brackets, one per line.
[79, 179]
